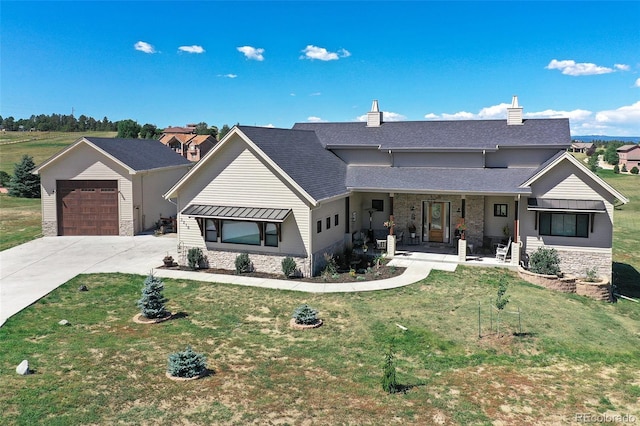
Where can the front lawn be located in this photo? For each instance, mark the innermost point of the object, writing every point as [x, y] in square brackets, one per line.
[20, 220]
[575, 355]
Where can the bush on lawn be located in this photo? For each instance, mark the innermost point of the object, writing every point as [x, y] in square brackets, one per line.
[305, 315]
[152, 302]
[187, 364]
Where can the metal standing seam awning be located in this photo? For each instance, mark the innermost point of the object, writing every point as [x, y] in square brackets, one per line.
[565, 206]
[258, 214]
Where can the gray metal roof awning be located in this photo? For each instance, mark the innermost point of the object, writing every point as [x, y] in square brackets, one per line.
[237, 213]
[560, 205]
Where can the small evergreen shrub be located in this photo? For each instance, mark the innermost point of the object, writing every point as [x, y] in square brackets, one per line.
[152, 302]
[187, 363]
[624, 168]
[305, 315]
[5, 178]
[634, 170]
[591, 275]
[389, 381]
[243, 263]
[545, 261]
[501, 299]
[288, 266]
[616, 169]
[195, 258]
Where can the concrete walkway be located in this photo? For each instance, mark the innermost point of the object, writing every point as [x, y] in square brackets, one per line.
[34, 269]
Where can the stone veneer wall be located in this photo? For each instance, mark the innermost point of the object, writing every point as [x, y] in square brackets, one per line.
[126, 228]
[576, 262]
[272, 264]
[474, 207]
[49, 228]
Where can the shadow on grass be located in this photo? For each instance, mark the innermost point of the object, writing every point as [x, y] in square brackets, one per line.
[400, 388]
[179, 315]
[626, 279]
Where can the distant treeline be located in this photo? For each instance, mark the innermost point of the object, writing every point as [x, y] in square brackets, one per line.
[58, 123]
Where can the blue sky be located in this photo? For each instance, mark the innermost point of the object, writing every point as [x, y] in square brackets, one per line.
[277, 63]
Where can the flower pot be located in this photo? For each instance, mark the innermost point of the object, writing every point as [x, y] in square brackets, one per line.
[413, 234]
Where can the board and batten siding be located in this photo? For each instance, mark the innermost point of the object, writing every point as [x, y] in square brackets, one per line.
[237, 177]
[84, 163]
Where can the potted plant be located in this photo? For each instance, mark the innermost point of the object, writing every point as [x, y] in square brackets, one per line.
[411, 227]
[168, 260]
[460, 230]
[390, 224]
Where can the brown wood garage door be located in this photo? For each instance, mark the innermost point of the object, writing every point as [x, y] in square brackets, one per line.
[87, 207]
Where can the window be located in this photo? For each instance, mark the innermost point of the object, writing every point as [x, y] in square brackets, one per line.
[328, 223]
[377, 205]
[564, 224]
[271, 235]
[319, 226]
[238, 232]
[210, 230]
[335, 220]
[500, 210]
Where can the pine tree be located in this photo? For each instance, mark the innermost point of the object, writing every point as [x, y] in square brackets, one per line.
[23, 183]
[152, 302]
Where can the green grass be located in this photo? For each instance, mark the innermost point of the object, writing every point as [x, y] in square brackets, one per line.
[576, 355]
[39, 145]
[20, 220]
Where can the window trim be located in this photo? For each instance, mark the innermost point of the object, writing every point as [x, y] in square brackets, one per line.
[579, 219]
[498, 210]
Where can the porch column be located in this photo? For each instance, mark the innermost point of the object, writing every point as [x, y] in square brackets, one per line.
[516, 222]
[464, 206]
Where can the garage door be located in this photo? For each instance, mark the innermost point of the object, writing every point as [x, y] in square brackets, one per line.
[87, 207]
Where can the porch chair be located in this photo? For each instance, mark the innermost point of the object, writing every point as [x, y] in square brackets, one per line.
[381, 244]
[400, 238]
[502, 251]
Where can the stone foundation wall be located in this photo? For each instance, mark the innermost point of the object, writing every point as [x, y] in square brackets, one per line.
[49, 228]
[261, 262]
[576, 262]
[126, 228]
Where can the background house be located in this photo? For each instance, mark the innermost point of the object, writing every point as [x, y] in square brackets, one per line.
[104, 186]
[191, 146]
[583, 147]
[321, 184]
[629, 156]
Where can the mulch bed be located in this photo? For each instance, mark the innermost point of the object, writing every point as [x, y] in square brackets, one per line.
[372, 274]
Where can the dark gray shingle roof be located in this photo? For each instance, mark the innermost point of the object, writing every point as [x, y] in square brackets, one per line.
[140, 154]
[437, 179]
[474, 134]
[301, 155]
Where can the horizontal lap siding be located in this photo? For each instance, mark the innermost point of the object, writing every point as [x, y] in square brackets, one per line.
[236, 177]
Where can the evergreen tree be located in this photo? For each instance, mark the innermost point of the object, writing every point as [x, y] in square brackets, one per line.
[152, 302]
[23, 183]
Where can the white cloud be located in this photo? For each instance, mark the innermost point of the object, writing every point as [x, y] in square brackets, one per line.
[322, 54]
[576, 114]
[314, 119]
[494, 112]
[250, 52]
[271, 126]
[315, 94]
[145, 47]
[431, 116]
[637, 83]
[191, 49]
[622, 67]
[624, 115]
[228, 75]
[570, 67]
[292, 94]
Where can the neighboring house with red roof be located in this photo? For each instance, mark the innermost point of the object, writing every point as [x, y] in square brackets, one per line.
[307, 191]
[629, 156]
[187, 143]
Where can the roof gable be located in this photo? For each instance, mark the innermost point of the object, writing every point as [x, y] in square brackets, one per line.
[565, 156]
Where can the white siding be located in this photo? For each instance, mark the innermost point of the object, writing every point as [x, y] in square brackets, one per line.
[333, 235]
[85, 163]
[506, 157]
[237, 177]
[149, 203]
[438, 159]
[363, 157]
[493, 225]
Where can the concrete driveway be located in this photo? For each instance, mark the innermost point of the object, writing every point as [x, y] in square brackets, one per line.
[32, 270]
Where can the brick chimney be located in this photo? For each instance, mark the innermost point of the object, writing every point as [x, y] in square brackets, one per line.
[374, 117]
[514, 113]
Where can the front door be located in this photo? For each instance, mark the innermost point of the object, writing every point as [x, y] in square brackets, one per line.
[435, 223]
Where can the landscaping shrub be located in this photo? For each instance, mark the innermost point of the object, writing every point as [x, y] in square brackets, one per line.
[5, 178]
[305, 315]
[389, 381]
[288, 266]
[634, 170]
[186, 364]
[624, 168]
[591, 275]
[152, 302]
[23, 183]
[545, 261]
[331, 266]
[616, 169]
[243, 263]
[195, 258]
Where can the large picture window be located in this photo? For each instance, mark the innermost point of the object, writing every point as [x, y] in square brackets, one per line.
[564, 224]
[239, 232]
